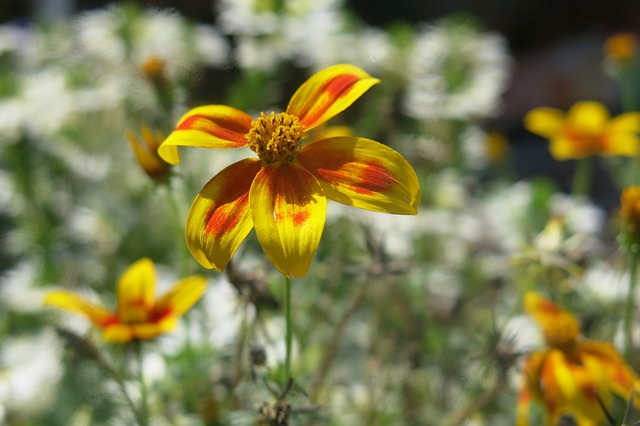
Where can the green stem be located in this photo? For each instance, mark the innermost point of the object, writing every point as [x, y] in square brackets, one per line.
[288, 335]
[581, 186]
[144, 407]
[123, 388]
[629, 308]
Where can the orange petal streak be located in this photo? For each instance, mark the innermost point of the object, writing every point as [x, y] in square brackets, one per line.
[219, 219]
[288, 210]
[329, 92]
[210, 126]
[363, 173]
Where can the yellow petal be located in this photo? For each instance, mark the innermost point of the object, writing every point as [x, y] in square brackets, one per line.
[621, 135]
[210, 126]
[73, 303]
[563, 147]
[327, 93]
[620, 377]
[288, 210]
[180, 298]
[363, 173]
[136, 288]
[544, 121]
[148, 331]
[588, 117]
[118, 333]
[219, 219]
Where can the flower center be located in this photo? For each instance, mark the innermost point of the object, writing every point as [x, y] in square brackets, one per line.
[275, 137]
[562, 331]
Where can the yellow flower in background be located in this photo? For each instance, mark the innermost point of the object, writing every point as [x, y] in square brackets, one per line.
[621, 46]
[146, 152]
[571, 374]
[497, 146]
[139, 315]
[585, 130]
[283, 192]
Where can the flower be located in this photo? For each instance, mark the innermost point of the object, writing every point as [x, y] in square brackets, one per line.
[570, 375]
[456, 72]
[621, 46]
[146, 152]
[283, 193]
[586, 130]
[139, 315]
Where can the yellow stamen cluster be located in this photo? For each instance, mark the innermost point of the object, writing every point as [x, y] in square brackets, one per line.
[562, 331]
[275, 137]
[154, 68]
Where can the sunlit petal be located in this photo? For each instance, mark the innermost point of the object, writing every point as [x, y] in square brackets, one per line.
[328, 93]
[589, 117]
[180, 298]
[288, 210]
[544, 121]
[73, 303]
[363, 173]
[136, 287]
[210, 126]
[219, 219]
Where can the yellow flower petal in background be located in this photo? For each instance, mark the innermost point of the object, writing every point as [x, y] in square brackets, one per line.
[73, 303]
[622, 134]
[589, 117]
[544, 121]
[219, 219]
[288, 210]
[180, 298]
[327, 93]
[146, 152]
[210, 126]
[118, 333]
[136, 291]
[363, 173]
[139, 315]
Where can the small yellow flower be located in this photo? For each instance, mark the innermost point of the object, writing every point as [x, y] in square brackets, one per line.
[571, 374]
[146, 152]
[621, 46]
[586, 130]
[283, 192]
[139, 315]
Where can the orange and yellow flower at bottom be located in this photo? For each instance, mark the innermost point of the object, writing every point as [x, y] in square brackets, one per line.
[570, 376]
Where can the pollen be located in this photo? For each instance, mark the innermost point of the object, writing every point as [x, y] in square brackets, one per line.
[563, 332]
[275, 137]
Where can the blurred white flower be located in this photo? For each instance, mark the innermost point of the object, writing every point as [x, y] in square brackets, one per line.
[29, 372]
[456, 72]
[266, 34]
[607, 282]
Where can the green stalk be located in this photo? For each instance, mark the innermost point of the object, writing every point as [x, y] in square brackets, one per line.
[581, 186]
[288, 334]
[629, 308]
[144, 407]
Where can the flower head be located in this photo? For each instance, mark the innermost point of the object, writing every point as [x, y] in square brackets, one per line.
[586, 130]
[283, 192]
[621, 46]
[138, 315]
[570, 375]
[146, 152]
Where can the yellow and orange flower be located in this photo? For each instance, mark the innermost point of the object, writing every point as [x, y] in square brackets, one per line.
[139, 315]
[585, 131]
[146, 152]
[283, 192]
[570, 374]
